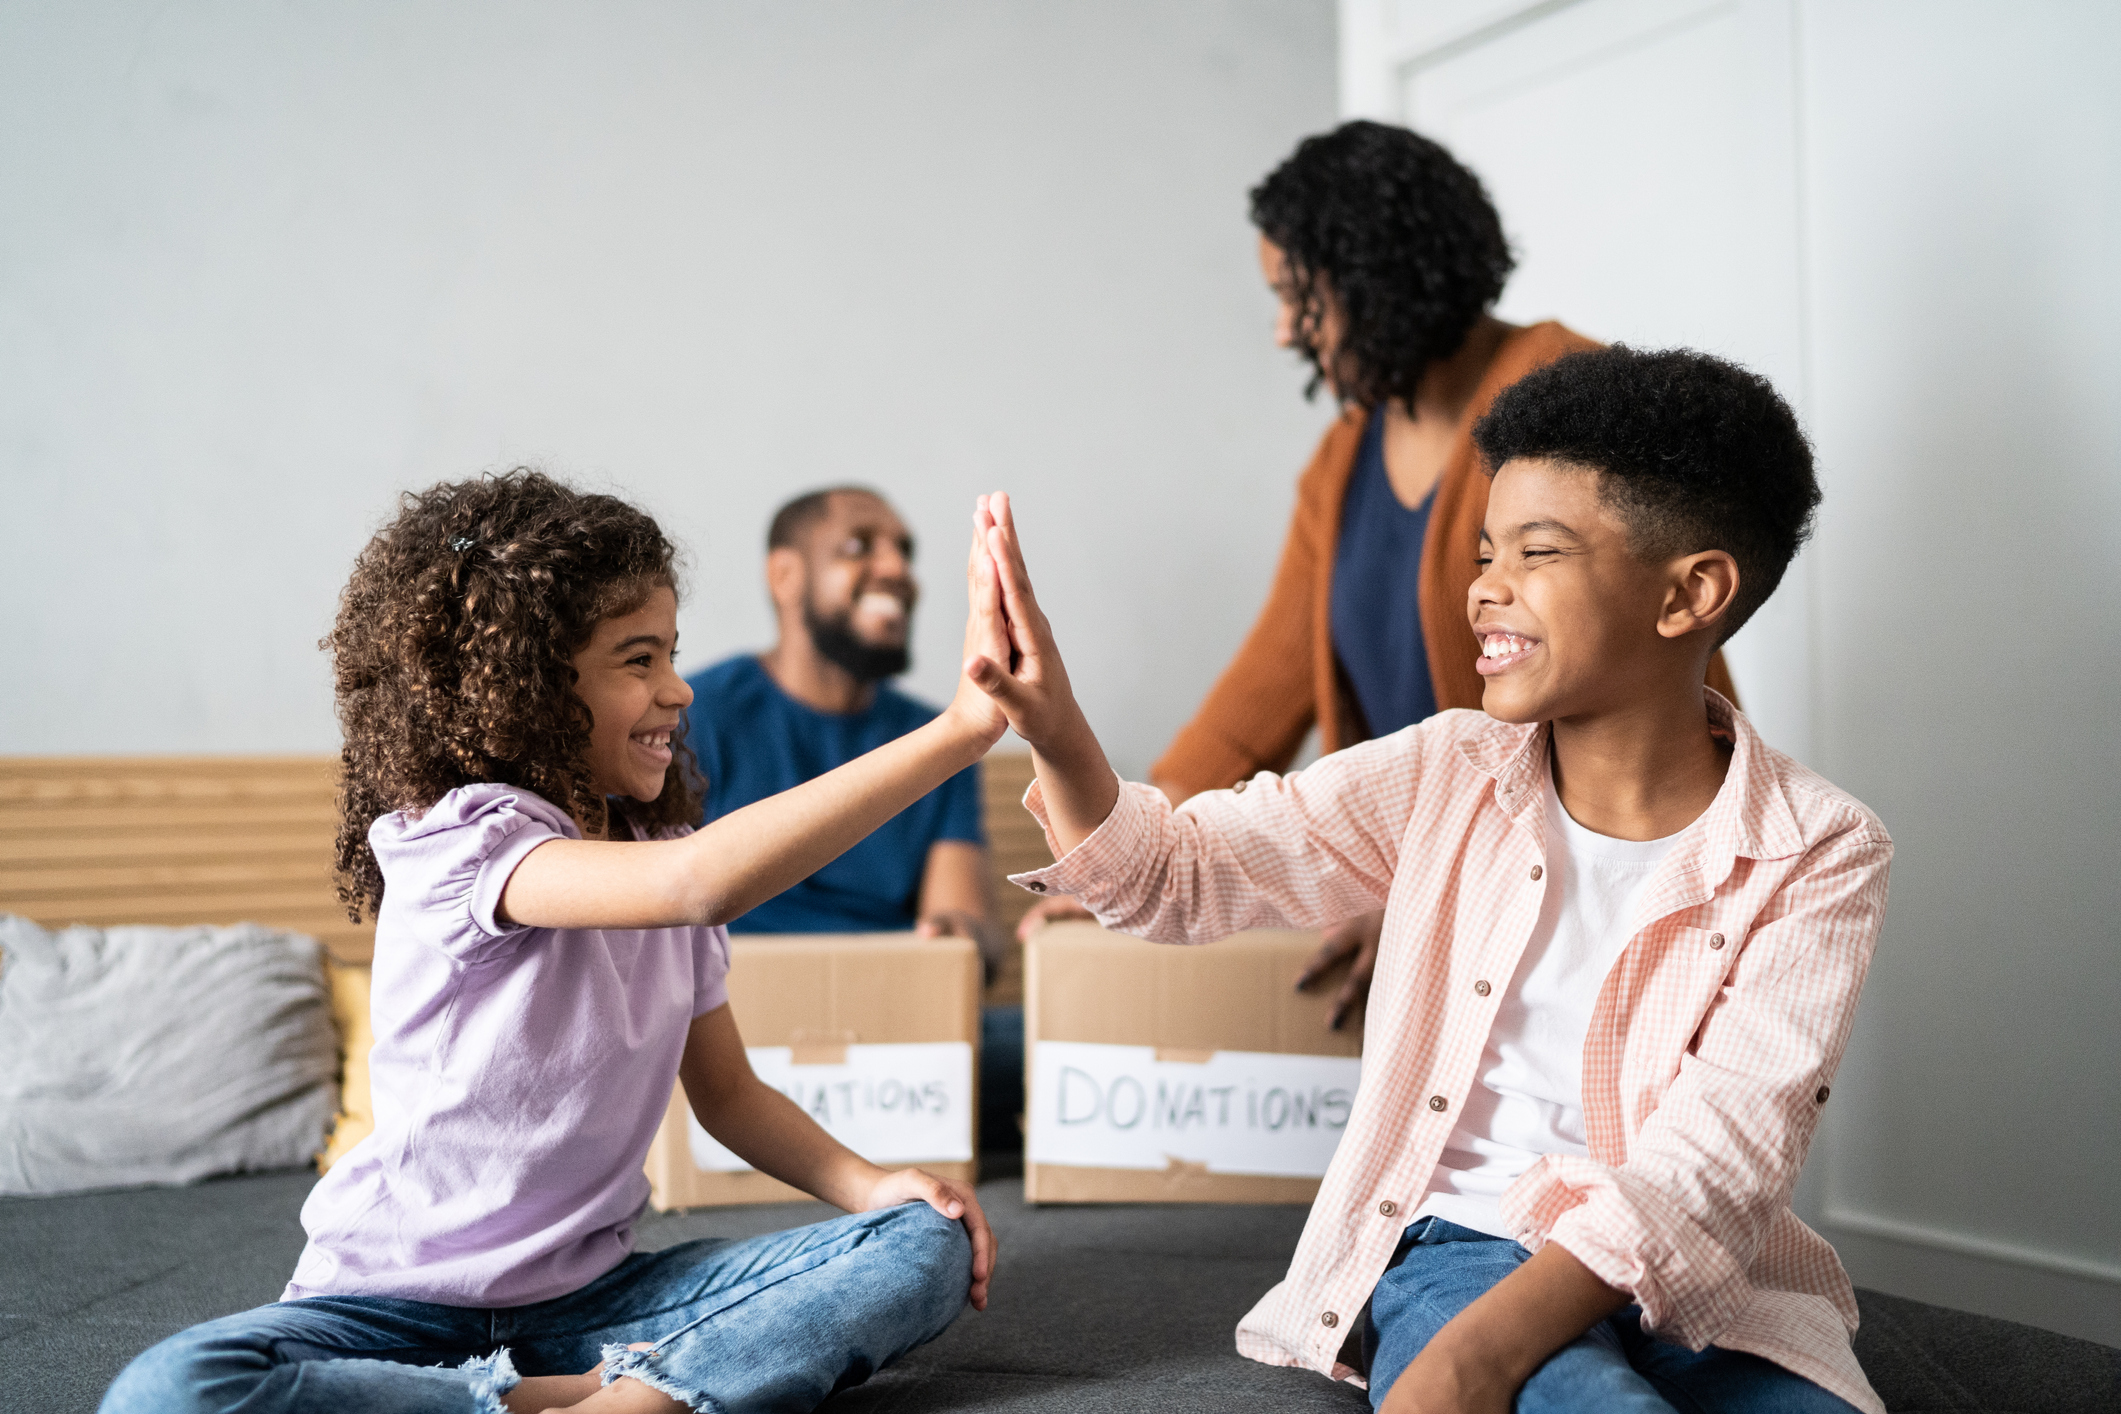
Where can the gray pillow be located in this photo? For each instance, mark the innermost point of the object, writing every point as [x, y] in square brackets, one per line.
[136, 1056]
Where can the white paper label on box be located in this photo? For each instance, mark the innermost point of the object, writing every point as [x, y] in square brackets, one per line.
[896, 1104]
[1236, 1112]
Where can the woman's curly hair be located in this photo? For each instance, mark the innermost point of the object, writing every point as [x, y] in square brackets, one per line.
[452, 655]
[1389, 226]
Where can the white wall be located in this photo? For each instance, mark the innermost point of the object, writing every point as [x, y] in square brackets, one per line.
[263, 266]
[1907, 214]
[1963, 184]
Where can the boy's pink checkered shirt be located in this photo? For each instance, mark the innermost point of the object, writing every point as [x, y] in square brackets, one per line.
[1710, 1051]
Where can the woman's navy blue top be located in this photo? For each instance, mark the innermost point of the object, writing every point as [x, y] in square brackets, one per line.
[1376, 605]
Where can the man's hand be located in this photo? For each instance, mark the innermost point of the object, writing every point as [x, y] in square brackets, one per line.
[1356, 938]
[951, 1198]
[984, 933]
[1058, 909]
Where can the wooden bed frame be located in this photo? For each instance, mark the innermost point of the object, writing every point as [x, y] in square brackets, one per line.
[229, 839]
[232, 839]
[175, 840]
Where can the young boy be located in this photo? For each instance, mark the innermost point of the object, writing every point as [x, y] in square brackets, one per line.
[1623, 936]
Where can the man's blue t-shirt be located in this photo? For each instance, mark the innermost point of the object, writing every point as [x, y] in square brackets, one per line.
[753, 740]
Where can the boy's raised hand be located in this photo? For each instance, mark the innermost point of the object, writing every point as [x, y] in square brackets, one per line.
[1023, 673]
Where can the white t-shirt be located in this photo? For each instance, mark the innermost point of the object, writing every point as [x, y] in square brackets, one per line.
[1528, 1097]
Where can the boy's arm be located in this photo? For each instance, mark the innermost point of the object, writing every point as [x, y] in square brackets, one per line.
[748, 856]
[767, 1130]
[1030, 683]
[1708, 1171]
[1301, 851]
[1678, 1225]
[1484, 1354]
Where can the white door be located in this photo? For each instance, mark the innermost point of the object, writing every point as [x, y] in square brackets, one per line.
[1939, 246]
[1643, 155]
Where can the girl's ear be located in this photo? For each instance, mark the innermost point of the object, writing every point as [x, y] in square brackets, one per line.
[1703, 587]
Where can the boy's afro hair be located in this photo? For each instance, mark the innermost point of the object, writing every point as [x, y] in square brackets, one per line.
[1695, 453]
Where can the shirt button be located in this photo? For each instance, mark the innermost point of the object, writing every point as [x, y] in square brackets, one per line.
[1329, 1319]
[1388, 1207]
[1536, 872]
[1239, 789]
[1438, 1103]
[1035, 886]
[1824, 1091]
[1715, 940]
[1481, 988]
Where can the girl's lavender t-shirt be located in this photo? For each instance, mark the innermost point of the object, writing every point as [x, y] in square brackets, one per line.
[519, 1074]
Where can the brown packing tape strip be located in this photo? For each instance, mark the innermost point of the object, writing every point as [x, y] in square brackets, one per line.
[1180, 1055]
[1175, 1167]
[807, 1047]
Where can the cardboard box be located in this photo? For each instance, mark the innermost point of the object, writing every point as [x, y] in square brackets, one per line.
[1159, 1074]
[876, 1035]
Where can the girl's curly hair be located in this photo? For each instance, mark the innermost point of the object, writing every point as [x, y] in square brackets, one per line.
[452, 655]
[1391, 227]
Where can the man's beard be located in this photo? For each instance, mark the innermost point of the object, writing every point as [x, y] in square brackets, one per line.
[864, 662]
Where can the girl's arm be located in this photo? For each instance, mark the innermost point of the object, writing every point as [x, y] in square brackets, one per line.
[767, 1130]
[750, 855]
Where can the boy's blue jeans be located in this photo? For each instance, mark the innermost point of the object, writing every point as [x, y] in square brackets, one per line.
[1440, 1268]
[773, 1323]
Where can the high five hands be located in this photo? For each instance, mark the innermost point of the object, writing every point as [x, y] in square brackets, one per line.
[1012, 659]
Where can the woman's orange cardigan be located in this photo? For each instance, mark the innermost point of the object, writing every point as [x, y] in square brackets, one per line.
[1258, 712]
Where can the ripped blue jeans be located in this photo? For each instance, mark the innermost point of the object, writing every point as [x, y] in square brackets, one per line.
[772, 1323]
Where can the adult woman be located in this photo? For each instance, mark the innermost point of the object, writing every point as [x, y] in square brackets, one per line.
[1387, 256]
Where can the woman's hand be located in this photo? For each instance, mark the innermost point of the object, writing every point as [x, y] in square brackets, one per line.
[954, 1200]
[1356, 938]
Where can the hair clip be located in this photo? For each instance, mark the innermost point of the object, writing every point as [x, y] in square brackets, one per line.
[461, 543]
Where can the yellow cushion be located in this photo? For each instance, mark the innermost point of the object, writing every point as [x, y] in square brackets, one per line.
[357, 1114]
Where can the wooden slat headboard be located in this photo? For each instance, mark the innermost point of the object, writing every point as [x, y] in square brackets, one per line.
[1013, 837]
[175, 840]
[227, 839]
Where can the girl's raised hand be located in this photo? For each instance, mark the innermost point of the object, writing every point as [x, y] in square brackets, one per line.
[954, 1200]
[986, 636]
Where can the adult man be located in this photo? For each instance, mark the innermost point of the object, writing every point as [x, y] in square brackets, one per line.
[839, 567]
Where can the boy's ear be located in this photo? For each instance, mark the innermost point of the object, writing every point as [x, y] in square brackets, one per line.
[1702, 588]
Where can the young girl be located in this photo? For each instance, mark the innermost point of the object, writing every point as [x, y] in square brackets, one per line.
[549, 957]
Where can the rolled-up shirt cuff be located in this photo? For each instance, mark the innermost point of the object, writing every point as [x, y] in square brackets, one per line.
[1687, 1285]
[1098, 860]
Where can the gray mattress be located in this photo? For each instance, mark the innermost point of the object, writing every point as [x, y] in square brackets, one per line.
[1095, 1309]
